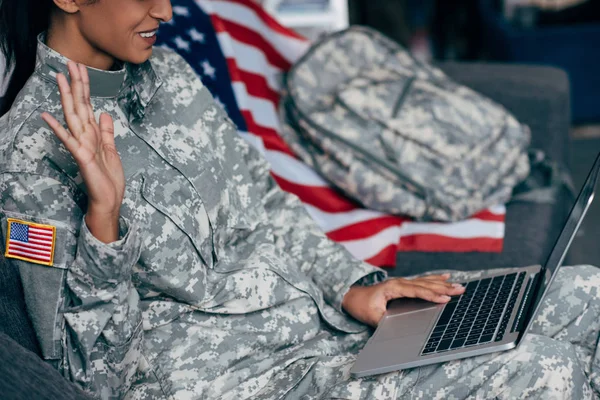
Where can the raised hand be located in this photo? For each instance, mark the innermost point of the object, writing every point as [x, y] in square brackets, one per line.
[368, 303]
[93, 148]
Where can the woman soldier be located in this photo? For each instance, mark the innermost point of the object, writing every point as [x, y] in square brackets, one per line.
[162, 260]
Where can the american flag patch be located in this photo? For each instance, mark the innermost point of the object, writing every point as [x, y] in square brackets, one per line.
[30, 242]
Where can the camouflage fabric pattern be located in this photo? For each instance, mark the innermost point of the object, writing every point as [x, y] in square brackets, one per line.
[558, 360]
[444, 151]
[207, 235]
[221, 286]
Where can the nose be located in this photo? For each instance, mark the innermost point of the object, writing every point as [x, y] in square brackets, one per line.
[162, 10]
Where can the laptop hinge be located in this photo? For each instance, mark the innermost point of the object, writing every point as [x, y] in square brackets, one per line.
[525, 303]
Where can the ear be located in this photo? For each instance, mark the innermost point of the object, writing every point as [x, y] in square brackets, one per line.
[68, 6]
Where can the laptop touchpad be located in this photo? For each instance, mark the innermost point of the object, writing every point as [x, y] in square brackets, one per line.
[397, 326]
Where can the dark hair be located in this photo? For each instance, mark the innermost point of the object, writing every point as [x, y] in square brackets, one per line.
[20, 23]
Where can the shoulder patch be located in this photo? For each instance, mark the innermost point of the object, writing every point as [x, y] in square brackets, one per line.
[30, 242]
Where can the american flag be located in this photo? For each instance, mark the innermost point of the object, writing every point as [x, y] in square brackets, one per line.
[30, 242]
[241, 53]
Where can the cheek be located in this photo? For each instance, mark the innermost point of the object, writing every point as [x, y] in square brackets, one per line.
[114, 33]
[123, 44]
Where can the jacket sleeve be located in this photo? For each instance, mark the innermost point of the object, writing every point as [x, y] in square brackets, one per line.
[94, 328]
[330, 266]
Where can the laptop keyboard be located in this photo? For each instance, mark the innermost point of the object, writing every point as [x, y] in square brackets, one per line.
[480, 315]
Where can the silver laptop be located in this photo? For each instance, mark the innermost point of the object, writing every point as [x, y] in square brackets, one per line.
[493, 314]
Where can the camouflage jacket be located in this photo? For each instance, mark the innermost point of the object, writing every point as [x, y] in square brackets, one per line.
[220, 281]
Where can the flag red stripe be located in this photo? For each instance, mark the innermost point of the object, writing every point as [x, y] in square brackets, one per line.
[270, 137]
[42, 242]
[28, 255]
[16, 243]
[316, 196]
[438, 243]
[269, 21]
[487, 215]
[37, 236]
[385, 258]
[24, 247]
[256, 85]
[252, 38]
[41, 231]
[365, 229]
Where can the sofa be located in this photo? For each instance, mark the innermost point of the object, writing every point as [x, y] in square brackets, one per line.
[538, 96]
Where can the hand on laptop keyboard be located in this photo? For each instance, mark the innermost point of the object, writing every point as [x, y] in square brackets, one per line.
[479, 316]
[368, 303]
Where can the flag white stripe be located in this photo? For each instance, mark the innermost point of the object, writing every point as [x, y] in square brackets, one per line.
[22, 249]
[288, 47]
[364, 249]
[40, 238]
[332, 221]
[498, 210]
[263, 110]
[43, 242]
[29, 255]
[41, 230]
[35, 246]
[250, 59]
[16, 243]
[294, 170]
[469, 229]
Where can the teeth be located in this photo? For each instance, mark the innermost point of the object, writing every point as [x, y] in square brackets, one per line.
[148, 35]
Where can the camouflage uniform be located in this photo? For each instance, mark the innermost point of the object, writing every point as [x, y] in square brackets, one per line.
[220, 285]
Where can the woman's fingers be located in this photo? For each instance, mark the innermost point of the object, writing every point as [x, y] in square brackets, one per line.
[438, 292]
[66, 99]
[85, 79]
[442, 282]
[421, 292]
[107, 130]
[79, 99]
[441, 277]
[450, 289]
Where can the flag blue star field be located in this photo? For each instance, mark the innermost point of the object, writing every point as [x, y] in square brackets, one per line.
[192, 35]
[241, 53]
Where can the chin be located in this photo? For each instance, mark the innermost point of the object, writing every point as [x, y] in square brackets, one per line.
[140, 57]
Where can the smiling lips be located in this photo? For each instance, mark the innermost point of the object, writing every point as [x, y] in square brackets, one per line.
[148, 34]
[149, 37]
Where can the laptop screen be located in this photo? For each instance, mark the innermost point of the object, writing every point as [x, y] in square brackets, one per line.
[558, 253]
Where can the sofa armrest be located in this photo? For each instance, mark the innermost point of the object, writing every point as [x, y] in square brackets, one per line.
[538, 96]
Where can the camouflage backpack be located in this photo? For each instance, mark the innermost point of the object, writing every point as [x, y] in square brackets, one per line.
[399, 136]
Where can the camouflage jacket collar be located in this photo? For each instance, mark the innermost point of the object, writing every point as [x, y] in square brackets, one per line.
[140, 79]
